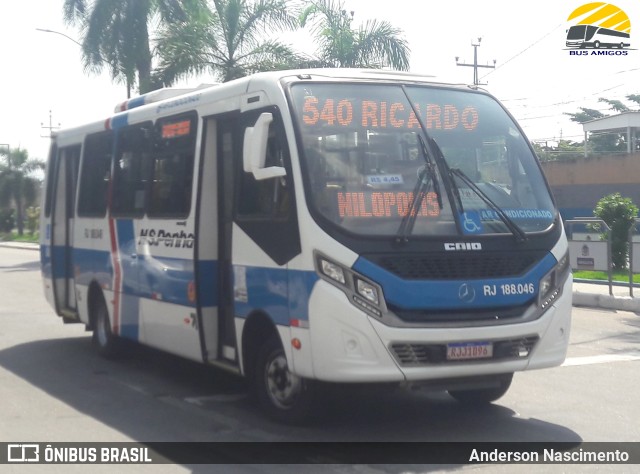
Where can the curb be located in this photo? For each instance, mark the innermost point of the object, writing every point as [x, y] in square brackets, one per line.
[20, 245]
[621, 303]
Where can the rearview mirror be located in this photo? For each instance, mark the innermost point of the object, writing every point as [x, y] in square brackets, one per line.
[255, 150]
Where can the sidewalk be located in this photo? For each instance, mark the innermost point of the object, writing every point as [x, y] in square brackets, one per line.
[593, 295]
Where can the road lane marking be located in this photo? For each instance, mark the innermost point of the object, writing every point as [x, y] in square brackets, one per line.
[600, 359]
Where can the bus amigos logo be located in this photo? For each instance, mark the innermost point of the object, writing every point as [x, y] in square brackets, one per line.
[599, 26]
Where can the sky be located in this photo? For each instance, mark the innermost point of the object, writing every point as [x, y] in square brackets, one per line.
[535, 76]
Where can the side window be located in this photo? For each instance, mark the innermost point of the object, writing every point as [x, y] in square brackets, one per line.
[95, 174]
[71, 157]
[269, 198]
[172, 167]
[131, 170]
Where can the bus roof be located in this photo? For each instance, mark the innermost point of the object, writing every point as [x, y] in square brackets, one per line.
[168, 97]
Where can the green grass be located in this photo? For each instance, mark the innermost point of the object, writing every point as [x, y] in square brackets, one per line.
[13, 236]
[615, 276]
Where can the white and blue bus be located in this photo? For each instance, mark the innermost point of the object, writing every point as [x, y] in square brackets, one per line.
[308, 227]
[590, 36]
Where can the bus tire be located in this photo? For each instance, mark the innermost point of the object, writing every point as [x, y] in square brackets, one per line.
[596, 44]
[483, 396]
[283, 396]
[104, 340]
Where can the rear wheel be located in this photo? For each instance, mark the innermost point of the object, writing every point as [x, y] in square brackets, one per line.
[103, 338]
[284, 396]
[483, 396]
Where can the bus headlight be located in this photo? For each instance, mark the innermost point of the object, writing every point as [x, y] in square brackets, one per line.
[363, 293]
[551, 284]
[333, 271]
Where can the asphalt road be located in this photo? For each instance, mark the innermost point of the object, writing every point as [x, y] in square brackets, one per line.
[55, 388]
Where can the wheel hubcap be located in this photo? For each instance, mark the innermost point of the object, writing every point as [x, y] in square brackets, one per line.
[283, 387]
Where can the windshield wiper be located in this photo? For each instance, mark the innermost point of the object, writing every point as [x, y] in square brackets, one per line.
[519, 234]
[426, 179]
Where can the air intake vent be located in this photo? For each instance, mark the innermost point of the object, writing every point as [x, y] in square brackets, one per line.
[454, 266]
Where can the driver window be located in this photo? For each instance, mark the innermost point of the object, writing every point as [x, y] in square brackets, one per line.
[268, 198]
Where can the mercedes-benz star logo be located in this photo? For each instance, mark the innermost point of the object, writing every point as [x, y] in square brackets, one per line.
[466, 293]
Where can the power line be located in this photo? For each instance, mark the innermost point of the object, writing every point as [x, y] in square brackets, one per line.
[521, 52]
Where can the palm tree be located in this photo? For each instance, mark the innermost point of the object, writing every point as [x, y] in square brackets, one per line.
[17, 184]
[227, 40]
[116, 34]
[377, 44]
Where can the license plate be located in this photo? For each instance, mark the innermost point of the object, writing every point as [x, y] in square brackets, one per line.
[469, 350]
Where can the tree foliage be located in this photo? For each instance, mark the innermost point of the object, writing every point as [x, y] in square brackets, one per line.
[229, 38]
[619, 213]
[565, 150]
[607, 141]
[151, 43]
[615, 105]
[376, 44]
[18, 186]
[116, 34]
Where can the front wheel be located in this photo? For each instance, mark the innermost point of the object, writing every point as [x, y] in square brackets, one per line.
[284, 396]
[483, 396]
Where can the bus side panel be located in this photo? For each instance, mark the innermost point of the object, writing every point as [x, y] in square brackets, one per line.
[166, 285]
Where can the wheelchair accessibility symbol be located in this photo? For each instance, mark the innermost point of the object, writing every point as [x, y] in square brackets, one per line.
[471, 222]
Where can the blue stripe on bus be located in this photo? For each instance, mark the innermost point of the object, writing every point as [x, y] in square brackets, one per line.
[208, 283]
[164, 278]
[45, 261]
[129, 316]
[282, 294]
[135, 102]
[160, 278]
[125, 236]
[93, 265]
[456, 294]
[119, 121]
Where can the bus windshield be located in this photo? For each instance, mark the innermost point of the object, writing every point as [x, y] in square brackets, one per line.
[368, 167]
[576, 32]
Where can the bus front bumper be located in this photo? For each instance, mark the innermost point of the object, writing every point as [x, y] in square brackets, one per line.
[346, 345]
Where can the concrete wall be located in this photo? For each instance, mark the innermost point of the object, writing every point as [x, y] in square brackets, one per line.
[578, 185]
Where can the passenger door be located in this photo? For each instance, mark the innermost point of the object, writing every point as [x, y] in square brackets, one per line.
[62, 259]
[257, 230]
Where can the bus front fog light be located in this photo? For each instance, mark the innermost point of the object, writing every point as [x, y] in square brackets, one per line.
[367, 291]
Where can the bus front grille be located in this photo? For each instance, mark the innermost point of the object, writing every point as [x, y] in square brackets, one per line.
[417, 354]
[457, 266]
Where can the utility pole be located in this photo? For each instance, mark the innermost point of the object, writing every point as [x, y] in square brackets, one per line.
[475, 64]
[51, 127]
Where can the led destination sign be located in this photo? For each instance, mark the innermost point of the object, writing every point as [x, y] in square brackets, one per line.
[383, 114]
[176, 129]
[385, 204]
